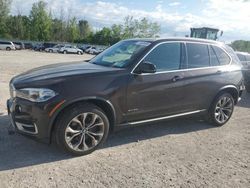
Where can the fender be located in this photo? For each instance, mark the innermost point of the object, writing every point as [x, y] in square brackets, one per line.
[233, 87]
[67, 104]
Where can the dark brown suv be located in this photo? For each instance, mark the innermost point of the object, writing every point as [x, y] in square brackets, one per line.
[133, 82]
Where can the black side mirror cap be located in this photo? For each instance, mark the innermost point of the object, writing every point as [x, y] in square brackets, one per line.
[145, 67]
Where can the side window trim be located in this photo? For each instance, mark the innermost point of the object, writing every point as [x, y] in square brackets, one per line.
[186, 61]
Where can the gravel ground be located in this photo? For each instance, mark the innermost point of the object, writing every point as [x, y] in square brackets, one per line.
[177, 153]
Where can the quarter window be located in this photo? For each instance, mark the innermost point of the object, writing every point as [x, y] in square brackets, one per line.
[221, 55]
[197, 55]
[166, 57]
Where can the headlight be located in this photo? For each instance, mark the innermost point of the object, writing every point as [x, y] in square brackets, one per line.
[35, 94]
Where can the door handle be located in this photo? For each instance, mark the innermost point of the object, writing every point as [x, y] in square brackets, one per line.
[219, 72]
[177, 78]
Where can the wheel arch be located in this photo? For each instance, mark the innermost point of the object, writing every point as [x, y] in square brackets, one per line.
[232, 90]
[103, 104]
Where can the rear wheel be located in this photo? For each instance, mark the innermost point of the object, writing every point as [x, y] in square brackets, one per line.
[82, 129]
[65, 52]
[221, 109]
[50, 51]
[8, 48]
[79, 53]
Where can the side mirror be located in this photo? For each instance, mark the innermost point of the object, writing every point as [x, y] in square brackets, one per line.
[145, 67]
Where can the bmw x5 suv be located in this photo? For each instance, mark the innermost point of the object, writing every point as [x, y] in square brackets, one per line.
[133, 82]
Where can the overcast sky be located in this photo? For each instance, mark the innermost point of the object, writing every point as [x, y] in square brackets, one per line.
[175, 17]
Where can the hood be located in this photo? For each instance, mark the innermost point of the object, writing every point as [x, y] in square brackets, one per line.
[59, 70]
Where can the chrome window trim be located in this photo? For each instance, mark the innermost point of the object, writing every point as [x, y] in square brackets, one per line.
[183, 42]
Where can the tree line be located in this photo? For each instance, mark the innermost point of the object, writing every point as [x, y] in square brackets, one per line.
[241, 45]
[40, 25]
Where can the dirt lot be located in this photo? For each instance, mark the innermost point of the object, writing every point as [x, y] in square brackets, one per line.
[177, 153]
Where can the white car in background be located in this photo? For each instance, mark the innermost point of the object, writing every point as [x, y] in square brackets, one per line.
[69, 49]
[93, 50]
[54, 49]
[7, 45]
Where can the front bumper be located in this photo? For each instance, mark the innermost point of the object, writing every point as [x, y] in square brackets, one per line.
[31, 119]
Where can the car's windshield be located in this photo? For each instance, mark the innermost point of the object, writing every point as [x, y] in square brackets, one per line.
[120, 54]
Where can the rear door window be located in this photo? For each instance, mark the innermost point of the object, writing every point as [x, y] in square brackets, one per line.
[214, 61]
[197, 55]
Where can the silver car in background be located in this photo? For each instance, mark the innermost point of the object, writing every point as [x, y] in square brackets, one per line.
[69, 49]
[55, 48]
[245, 61]
[7, 45]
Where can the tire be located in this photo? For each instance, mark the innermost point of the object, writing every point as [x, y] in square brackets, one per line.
[79, 53]
[50, 51]
[8, 49]
[221, 109]
[64, 52]
[70, 135]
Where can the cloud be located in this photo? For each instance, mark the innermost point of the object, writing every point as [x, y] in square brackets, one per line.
[174, 4]
[231, 16]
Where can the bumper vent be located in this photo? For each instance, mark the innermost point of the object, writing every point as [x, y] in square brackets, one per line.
[27, 128]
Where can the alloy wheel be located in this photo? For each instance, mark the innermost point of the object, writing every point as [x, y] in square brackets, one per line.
[84, 132]
[223, 109]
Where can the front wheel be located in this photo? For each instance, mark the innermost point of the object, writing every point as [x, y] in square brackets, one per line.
[82, 129]
[221, 109]
[64, 52]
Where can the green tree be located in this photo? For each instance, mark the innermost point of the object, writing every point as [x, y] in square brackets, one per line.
[58, 30]
[40, 21]
[4, 11]
[72, 30]
[241, 45]
[116, 33]
[140, 28]
[19, 27]
[84, 29]
[129, 27]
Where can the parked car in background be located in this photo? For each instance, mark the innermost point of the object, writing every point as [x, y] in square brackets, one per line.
[43, 46]
[133, 82]
[245, 60]
[84, 47]
[38, 47]
[19, 45]
[28, 45]
[7, 45]
[69, 49]
[93, 50]
[55, 48]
